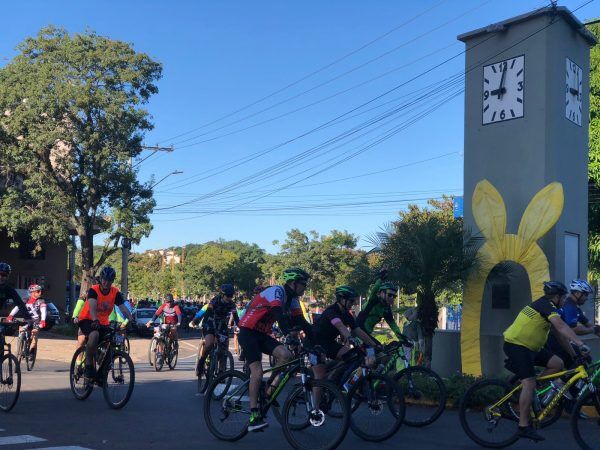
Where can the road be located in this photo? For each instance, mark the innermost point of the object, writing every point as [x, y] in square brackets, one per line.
[165, 413]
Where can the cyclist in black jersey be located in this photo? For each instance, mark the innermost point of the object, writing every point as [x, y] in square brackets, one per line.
[215, 318]
[8, 293]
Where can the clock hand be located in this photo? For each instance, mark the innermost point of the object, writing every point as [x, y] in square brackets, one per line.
[501, 89]
[498, 92]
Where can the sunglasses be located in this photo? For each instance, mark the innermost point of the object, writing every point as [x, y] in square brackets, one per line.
[391, 295]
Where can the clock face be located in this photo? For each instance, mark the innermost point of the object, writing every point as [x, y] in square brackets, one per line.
[574, 77]
[503, 90]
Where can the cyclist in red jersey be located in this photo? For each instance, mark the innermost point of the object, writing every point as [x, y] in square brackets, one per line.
[171, 316]
[94, 317]
[37, 309]
[275, 303]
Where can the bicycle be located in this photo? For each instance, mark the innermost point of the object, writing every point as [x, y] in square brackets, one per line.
[10, 370]
[489, 409]
[585, 416]
[219, 360]
[163, 348]
[24, 347]
[227, 407]
[115, 371]
[424, 390]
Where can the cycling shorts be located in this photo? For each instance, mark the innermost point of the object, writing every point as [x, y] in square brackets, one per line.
[522, 361]
[85, 326]
[254, 344]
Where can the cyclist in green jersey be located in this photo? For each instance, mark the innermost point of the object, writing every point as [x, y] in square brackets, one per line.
[379, 306]
[524, 346]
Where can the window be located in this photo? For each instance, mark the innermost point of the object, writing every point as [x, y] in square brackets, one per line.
[571, 257]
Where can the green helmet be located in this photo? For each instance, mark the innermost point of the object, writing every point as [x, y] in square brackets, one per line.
[295, 274]
[387, 286]
[345, 292]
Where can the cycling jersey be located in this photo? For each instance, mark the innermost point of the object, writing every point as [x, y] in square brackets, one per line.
[531, 327]
[259, 312]
[376, 309]
[35, 307]
[105, 304]
[171, 314]
[8, 293]
[325, 329]
[217, 311]
[572, 314]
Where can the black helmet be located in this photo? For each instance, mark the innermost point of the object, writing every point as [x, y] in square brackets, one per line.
[345, 292]
[227, 290]
[108, 274]
[554, 288]
[169, 298]
[5, 268]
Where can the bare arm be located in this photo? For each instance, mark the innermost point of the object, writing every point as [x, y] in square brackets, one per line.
[93, 303]
[360, 333]
[563, 329]
[581, 329]
[125, 310]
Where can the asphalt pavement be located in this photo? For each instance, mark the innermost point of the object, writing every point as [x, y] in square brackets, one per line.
[165, 413]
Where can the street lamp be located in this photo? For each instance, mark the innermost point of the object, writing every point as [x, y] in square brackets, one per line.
[175, 172]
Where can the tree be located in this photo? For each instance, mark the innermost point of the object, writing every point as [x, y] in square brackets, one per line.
[594, 158]
[73, 120]
[208, 268]
[425, 253]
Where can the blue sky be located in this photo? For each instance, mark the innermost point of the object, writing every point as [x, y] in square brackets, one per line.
[221, 57]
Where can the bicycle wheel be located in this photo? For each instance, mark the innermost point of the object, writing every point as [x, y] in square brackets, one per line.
[210, 369]
[159, 355]
[118, 380]
[20, 347]
[126, 345]
[31, 355]
[79, 387]
[10, 382]
[225, 361]
[307, 427]
[152, 350]
[173, 355]
[585, 420]
[377, 406]
[488, 425]
[227, 406]
[424, 394]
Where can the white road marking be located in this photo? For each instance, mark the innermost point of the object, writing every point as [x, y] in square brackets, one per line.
[68, 447]
[22, 439]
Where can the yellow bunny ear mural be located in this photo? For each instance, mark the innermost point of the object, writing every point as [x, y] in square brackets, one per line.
[489, 212]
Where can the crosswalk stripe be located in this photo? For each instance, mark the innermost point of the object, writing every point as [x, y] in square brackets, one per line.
[68, 447]
[22, 439]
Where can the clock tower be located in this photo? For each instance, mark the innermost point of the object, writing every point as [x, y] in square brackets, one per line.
[526, 127]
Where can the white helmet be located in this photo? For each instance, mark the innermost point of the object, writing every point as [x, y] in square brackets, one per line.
[581, 286]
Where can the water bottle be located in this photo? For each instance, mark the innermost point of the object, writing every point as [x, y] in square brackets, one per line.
[355, 376]
[537, 407]
[550, 394]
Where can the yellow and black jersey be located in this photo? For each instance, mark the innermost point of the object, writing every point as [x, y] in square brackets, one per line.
[531, 327]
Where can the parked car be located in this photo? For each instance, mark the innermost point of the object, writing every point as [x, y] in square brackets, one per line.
[141, 317]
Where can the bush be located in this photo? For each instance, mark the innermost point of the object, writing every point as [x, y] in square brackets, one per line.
[457, 385]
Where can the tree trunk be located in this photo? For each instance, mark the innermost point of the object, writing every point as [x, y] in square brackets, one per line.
[427, 314]
[87, 262]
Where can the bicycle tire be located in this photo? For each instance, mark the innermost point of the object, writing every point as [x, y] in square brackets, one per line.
[471, 403]
[173, 356]
[8, 402]
[76, 373]
[582, 425]
[126, 345]
[109, 371]
[159, 359]
[413, 385]
[20, 347]
[30, 361]
[339, 425]
[152, 350]
[210, 369]
[387, 391]
[215, 402]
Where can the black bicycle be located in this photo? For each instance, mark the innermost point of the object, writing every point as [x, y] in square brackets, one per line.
[163, 349]
[115, 372]
[24, 351]
[10, 371]
[217, 361]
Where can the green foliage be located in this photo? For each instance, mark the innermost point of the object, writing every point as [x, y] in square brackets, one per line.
[594, 158]
[73, 120]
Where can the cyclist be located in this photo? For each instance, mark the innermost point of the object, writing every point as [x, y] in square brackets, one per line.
[524, 346]
[279, 303]
[337, 320]
[95, 314]
[8, 293]
[37, 310]
[379, 306]
[239, 309]
[172, 316]
[216, 315]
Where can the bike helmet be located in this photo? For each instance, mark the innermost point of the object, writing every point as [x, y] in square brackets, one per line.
[388, 287]
[34, 288]
[295, 274]
[345, 292]
[227, 290]
[108, 274]
[554, 288]
[581, 286]
[5, 268]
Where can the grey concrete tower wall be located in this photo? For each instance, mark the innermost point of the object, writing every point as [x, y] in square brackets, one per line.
[521, 156]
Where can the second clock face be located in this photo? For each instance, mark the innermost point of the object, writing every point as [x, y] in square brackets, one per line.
[503, 90]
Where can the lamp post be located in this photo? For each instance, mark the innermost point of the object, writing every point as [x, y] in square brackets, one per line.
[175, 172]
